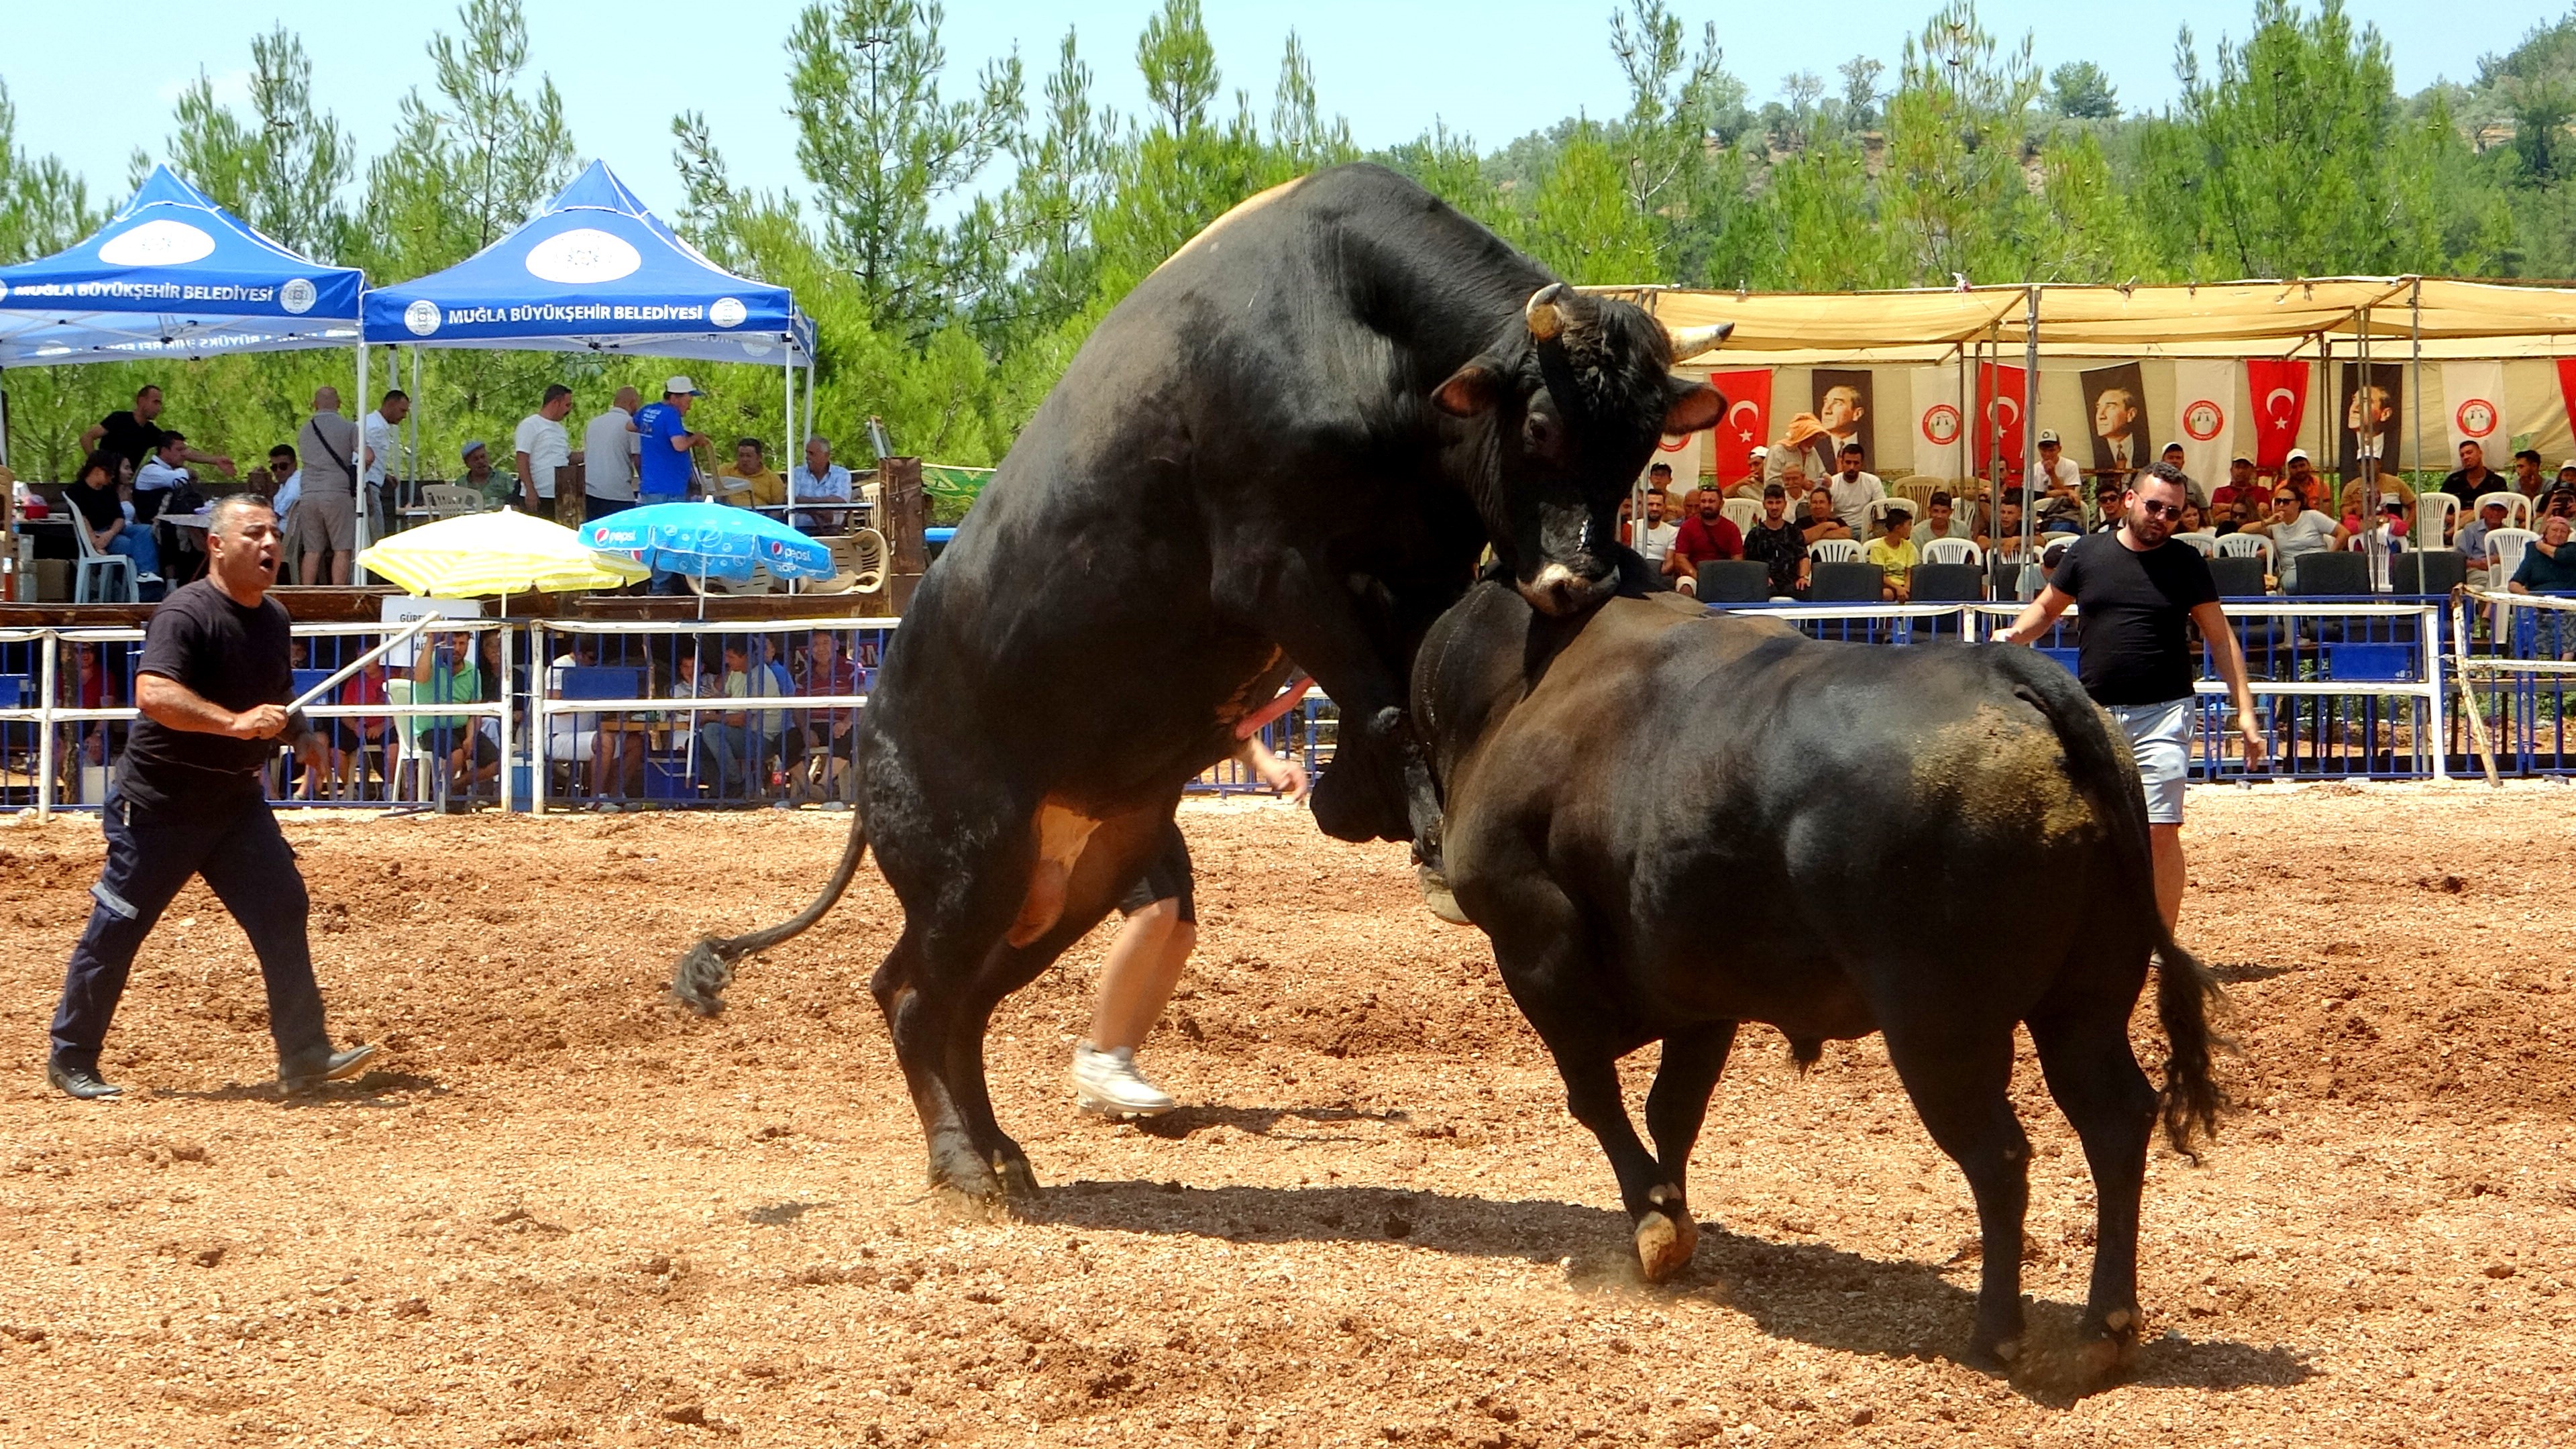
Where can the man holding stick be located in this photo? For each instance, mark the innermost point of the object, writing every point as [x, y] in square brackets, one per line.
[187, 800]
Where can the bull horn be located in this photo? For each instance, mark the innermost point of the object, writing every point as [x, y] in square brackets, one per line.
[1546, 312]
[1690, 342]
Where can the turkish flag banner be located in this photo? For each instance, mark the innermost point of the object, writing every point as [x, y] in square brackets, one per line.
[1747, 424]
[2566, 386]
[2003, 398]
[2279, 387]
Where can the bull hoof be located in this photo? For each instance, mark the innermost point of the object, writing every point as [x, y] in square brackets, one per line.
[2111, 1349]
[1666, 1237]
[1436, 895]
[1019, 1183]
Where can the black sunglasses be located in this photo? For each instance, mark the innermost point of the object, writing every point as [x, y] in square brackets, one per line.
[2162, 510]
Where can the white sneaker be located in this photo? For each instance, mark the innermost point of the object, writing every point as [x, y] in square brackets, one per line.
[1108, 1082]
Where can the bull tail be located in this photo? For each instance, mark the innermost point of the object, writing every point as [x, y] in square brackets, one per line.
[2192, 1099]
[706, 969]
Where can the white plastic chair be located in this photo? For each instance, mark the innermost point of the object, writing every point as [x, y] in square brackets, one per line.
[1875, 514]
[1742, 512]
[97, 569]
[1834, 550]
[447, 500]
[2505, 548]
[2517, 509]
[2435, 515]
[2250, 545]
[1954, 550]
[2207, 543]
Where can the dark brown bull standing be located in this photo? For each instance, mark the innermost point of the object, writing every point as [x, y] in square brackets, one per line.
[1291, 442]
[1670, 823]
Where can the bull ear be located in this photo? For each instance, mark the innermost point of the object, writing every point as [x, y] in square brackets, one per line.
[1695, 407]
[1470, 391]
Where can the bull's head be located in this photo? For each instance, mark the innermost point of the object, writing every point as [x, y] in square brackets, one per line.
[1577, 393]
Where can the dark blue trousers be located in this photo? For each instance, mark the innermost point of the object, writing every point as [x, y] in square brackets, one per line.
[249, 867]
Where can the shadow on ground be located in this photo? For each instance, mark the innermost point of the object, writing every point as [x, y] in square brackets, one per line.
[1810, 1292]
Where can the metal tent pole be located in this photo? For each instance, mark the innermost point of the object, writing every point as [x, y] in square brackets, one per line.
[357, 475]
[2415, 387]
[2365, 455]
[2029, 403]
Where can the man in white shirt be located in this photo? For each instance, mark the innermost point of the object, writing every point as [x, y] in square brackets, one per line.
[819, 480]
[383, 436]
[543, 446]
[1854, 491]
[2060, 484]
[160, 471]
[1656, 540]
[609, 447]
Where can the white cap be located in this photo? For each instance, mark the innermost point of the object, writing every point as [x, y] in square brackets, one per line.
[2299, 455]
[1760, 452]
[2570, 463]
[679, 385]
[2048, 435]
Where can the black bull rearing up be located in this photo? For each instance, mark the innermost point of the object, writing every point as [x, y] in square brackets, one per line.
[1292, 441]
[1670, 823]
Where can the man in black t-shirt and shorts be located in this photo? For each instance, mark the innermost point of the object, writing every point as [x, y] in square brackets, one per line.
[187, 801]
[2135, 586]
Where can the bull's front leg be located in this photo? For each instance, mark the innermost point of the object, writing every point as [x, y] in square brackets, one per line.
[1380, 785]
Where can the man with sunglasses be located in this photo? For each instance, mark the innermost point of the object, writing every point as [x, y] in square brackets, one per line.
[2136, 586]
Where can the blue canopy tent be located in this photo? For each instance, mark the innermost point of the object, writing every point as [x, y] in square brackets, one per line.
[595, 271]
[172, 275]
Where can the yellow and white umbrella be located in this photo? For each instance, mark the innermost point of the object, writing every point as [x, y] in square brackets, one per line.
[483, 554]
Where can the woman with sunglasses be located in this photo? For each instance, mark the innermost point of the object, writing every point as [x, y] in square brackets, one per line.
[2137, 587]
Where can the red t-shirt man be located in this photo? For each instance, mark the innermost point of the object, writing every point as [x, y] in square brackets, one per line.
[1703, 538]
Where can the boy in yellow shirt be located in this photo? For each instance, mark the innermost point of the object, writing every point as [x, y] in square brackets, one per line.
[748, 481]
[1894, 552]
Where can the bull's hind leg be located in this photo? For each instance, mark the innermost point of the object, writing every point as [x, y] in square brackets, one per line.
[1959, 1075]
[921, 1010]
[2093, 1074]
[1111, 860]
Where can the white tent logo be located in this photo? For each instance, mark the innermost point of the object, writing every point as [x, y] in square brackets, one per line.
[296, 296]
[421, 317]
[584, 254]
[4, 290]
[727, 311]
[157, 244]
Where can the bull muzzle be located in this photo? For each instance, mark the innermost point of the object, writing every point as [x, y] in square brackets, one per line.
[1560, 592]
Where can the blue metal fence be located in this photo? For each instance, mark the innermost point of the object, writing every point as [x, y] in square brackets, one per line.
[693, 714]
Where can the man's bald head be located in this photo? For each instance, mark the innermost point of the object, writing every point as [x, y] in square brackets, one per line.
[326, 399]
[628, 400]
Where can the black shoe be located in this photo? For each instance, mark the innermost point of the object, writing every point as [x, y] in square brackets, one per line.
[81, 1082]
[309, 1074]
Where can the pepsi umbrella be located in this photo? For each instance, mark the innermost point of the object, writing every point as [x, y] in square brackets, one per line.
[709, 541]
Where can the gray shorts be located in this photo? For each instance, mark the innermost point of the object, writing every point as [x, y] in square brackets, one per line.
[2160, 738]
[326, 522]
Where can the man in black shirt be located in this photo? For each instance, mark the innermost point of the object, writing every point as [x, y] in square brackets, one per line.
[2135, 587]
[187, 801]
[135, 435]
[1778, 542]
[2472, 479]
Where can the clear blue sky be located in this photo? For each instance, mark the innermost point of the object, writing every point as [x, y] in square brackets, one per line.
[92, 82]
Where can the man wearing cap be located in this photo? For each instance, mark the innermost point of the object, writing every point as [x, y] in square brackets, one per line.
[495, 486]
[2473, 477]
[2567, 473]
[663, 468]
[2473, 539]
[2060, 484]
[2301, 477]
[609, 447]
[543, 446]
[2240, 483]
[2173, 459]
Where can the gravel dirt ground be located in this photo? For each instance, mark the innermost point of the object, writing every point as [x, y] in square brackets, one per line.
[567, 1213]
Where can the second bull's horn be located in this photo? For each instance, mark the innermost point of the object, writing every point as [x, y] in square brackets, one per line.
[1546, 312]
[1690, 342]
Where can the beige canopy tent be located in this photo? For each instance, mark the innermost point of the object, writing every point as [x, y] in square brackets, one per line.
[2053, 332]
